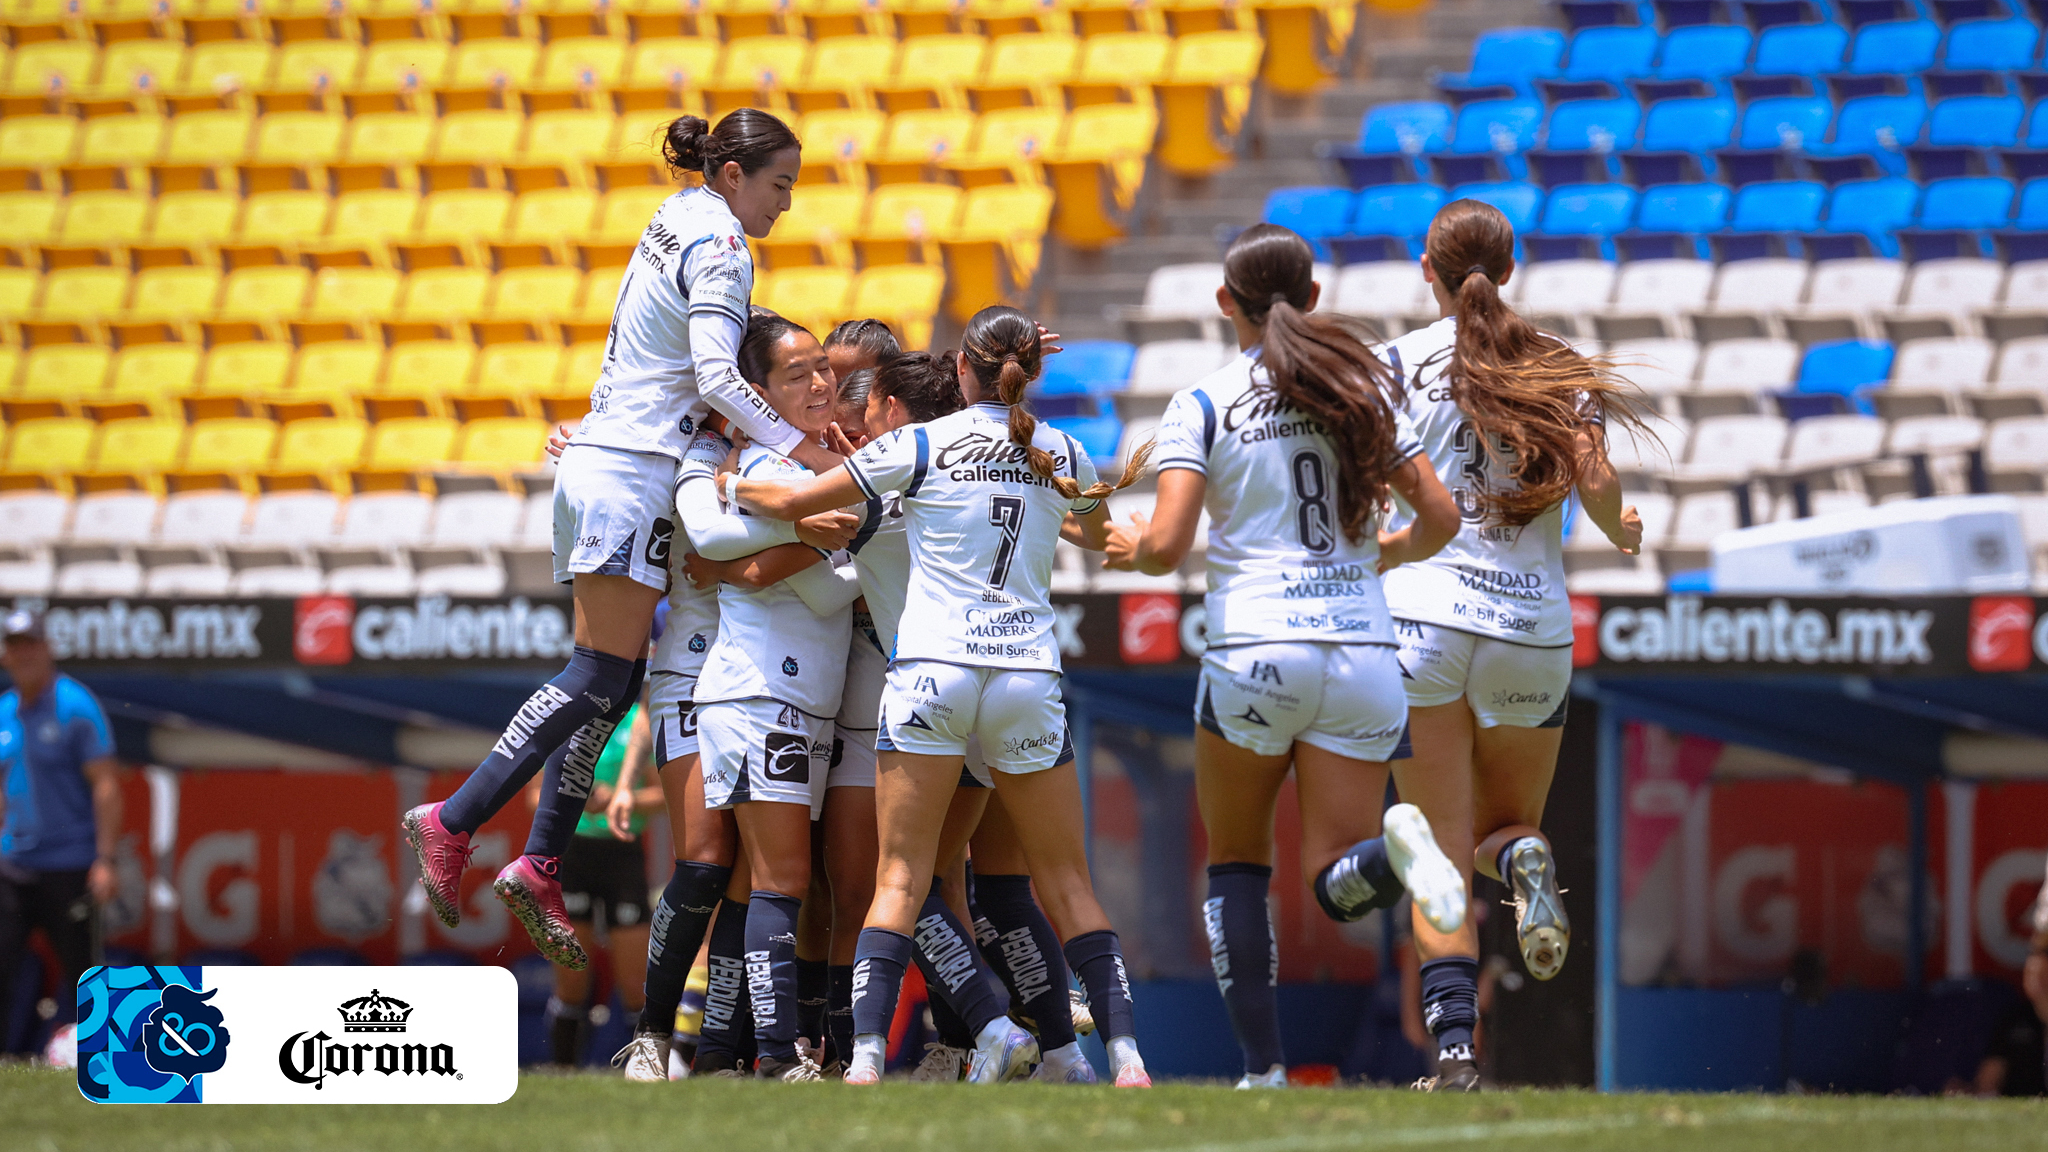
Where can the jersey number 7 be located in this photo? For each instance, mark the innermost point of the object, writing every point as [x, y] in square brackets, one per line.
[1007, 514]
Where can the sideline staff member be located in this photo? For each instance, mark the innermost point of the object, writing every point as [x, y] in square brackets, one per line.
[63, 812]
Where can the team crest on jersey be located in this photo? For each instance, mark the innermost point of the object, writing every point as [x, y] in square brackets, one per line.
[789, 666]
[686, 425]
[698, 643]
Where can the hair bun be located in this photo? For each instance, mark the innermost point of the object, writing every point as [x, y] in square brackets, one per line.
[684, 142]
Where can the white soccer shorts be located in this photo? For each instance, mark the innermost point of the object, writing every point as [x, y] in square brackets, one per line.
[931, 708]
[1342, 698]
[763, 750]
[674, 713]
[1511, 684]
[853, 758]
[614, 514]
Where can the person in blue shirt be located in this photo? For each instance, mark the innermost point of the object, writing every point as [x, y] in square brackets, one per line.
[62, 797]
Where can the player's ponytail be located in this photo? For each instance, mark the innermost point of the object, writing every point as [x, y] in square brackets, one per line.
[1318, 365]
[1527, 393]
[1002, 348]
[746, 136]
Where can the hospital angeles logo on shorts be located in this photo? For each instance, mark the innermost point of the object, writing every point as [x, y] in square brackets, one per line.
[262, 1036]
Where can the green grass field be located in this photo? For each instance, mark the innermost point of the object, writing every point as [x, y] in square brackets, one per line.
[42, 1110]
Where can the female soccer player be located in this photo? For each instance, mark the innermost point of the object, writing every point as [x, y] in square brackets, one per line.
[1293, 447]
[984, 492]
[1512, 420]
[681, 311]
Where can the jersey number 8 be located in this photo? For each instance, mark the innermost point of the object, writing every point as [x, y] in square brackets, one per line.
[1312, 514]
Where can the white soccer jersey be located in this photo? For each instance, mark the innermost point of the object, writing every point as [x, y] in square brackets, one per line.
[881, 558]
[1491, 579]
[981, 527]
[770, 644]
[692, 615]
[692, 263]
[1280, 566]
[867, 668]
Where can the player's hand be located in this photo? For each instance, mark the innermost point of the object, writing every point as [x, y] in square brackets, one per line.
[1121, 554]
[1394, 549]
[836, 440]
[101, 881]
[1048, 342]
[618, 815]
[704, 575]
[828, 531]
[1631, 538]
[559, 439]
[600, 797]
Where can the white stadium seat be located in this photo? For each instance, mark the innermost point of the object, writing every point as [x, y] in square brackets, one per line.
[477, 519]
[1663, 286]
[2026, 287]
[1734, 446]
[32, 517]
[293, 519]
[1865, 284]
[1832, 442]
[121, 517]
[1701, 516]
[1748, 365]
[385, 519]
[1564, 286]
[461, 580]
[1948, 363]
[1182, 292]
[170, 580]
[2022, 365]
[1775, 284]
[1657, 448]
[1658, 367]
[99, 578]
[371, 580]
[1380, 288]
[1955, 287]
[537, 527]
[2017, 444]
[1163, 367]
[1934, 435]
[29, 577]
[277, 580]
[210, 516]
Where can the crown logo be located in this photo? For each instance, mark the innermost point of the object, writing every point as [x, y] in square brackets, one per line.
[374, 1013]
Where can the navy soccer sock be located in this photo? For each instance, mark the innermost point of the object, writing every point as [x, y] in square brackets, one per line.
[1246, 959]
[953, 1032]
[1022, 946]
[953, 968]
[812, 992]
[771, 972]
[728, 1026]
[1098, 959]
[572, 771]
[1450, 1004]
[839, 1012]
[681, 917]
[567, 1026]
[585, 690]
[878, 964]
[1361, 881]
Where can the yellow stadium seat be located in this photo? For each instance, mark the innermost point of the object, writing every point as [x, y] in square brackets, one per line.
[1025, 68]
[493, 62]
[814, 297]
[994, 251]
[840, 138]
[344, 292]
[139, 444]
[298, 138]
[582, 62]
[600, 293]
[29, 217]
[503, 441]
[1098, 169]
[286, 217]
[317, 65]
[53, 66]
[818, 228]
[444, 293]
[1109, 130]
[1005, 17]
[125, 138]
[18, 287]
[673, 62]
[146, 65]
[1116, 63]
[568, 137]
[229, 444]
[931, 71]
[346, 367]
[174, 292]
[1003, 211]
[625, 212]
[410, 442]
[465, 213]
[1205, 95]
[264, 291]
[403, 64]
[840, 72]
[429, 366]
[246, 366]
[194, 218]
[752, 68]
[321, 444]
[389, 138]
[479, 136]
[85, 293]
[227, 65]
[1007, 144]
[213, 137]
[901, 216]
[52, 444]
[104, 217]
[552, 214]
[581, 363]
[840, 19]
[38, 141]
[372, 216]
[151, 374]
[67, 372]
[921, 18]
[906, 296]
[919, 138]
[541, 291]
[520, 366]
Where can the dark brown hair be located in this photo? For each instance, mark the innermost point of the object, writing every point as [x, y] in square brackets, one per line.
[1002, 348]
[1318, 365]
[765, 330]
[872, 337]
[746, 136]
[927, 385]
[1527, 393]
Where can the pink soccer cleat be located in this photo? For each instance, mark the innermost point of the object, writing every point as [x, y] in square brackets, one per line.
[442, 856]
[1133, 1076]
[535, 898]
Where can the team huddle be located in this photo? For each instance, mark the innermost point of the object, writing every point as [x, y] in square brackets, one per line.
[855, 697]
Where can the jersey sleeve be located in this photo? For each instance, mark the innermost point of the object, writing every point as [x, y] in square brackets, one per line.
[1407, 438]
[1185, 433]
[894, 463]
[717, 282]
[90, 737]
[715, 533]
[826, 588]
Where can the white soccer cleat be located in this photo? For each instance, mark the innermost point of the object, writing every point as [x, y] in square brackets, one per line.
[1274, 1077]
[1432, 880]
[941, 1064]
[1004, 1052]
[1084, 1016]
[1065, 1066]
[645, 1058]
[1541, 926]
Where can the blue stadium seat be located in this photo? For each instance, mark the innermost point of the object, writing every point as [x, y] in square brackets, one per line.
[1789, 58]
[1581, 139]
[1603, 61]
[1768, 217]
[1773, 130]
[1679, 139]
[1506, 61]
[1488, 143]
[1697, 61]
[1390, 223]
[1962, 131]
[1863, 219]
[1671, 220]
[1843, 367]
[1391, 141]
[1316, 213]
[1977, 51]
[1602, 13]
[1518, 201]
[1091, 367]
[1869, 139]
[1956, 215]
[1580, 220]
[2028, 237]
[2030, 159]
[1097, 435]
[1766, 14]
[1883, 55]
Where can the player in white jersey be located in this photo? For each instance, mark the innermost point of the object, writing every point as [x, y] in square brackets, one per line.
[681, 308]
[985, 492]
[1292, 448]
[1513, 423]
